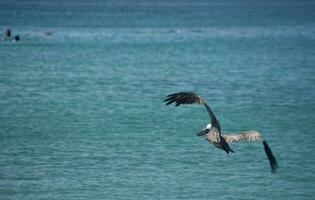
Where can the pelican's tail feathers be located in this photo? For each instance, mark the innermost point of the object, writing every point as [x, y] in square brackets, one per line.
[229, 150]
[225, 146]
[271, 158]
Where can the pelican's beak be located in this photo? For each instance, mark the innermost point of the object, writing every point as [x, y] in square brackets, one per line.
[201, 133]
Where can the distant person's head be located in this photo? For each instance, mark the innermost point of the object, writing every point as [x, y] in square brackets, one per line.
[8, 33]
[16, 38]
[49, 33]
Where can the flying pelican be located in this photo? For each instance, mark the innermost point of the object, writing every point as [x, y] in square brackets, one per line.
[212, 132]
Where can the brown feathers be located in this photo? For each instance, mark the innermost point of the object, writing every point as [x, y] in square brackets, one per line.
[183, 98]
[254, 136]
[246, 135]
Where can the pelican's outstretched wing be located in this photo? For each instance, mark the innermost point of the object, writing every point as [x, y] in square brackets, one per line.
[246, 135]
[254, 136]
[183, 98]
[190, 98]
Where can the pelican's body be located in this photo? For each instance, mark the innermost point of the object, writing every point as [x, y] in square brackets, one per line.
[214, 137]
[212, 132]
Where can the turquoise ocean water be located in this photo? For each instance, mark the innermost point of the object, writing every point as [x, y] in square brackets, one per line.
[82, 114]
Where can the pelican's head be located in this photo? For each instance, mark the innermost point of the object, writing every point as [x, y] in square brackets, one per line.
[205, 130]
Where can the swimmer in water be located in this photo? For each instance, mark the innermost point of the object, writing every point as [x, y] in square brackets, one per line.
[16, 38]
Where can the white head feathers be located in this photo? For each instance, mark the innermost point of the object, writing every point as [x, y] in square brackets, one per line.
[208, 126]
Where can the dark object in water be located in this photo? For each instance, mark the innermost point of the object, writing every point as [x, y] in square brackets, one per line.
[16, 38]
[8, 33]
[48, 33]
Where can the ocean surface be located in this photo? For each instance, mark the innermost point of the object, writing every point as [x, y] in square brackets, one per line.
[81, 99]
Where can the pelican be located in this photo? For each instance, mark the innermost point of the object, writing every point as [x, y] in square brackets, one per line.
[212, 132]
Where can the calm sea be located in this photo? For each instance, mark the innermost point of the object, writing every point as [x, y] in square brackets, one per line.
[81, 98]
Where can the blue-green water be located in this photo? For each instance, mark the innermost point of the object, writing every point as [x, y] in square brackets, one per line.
[82, 114]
